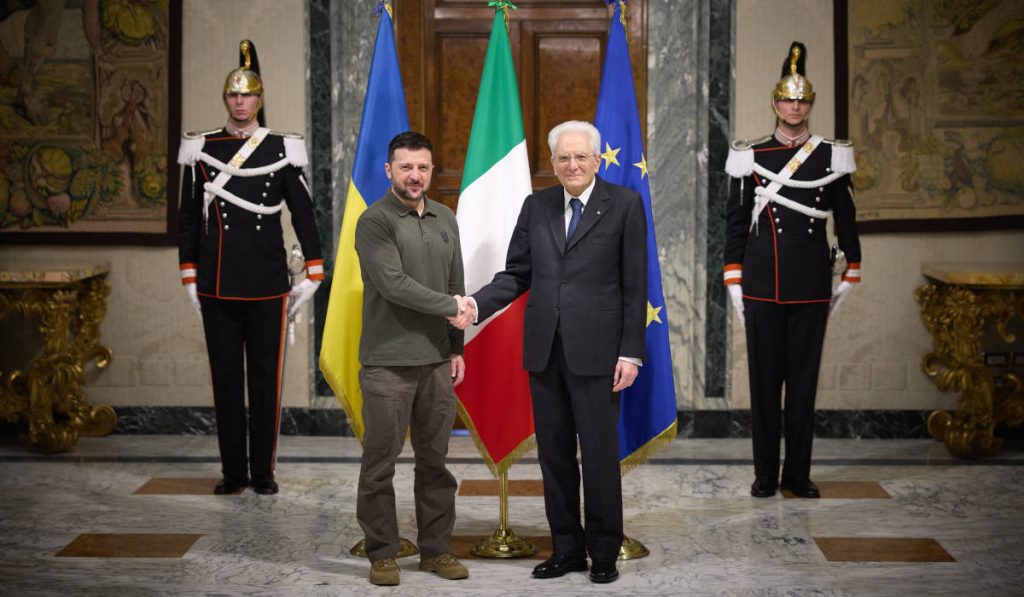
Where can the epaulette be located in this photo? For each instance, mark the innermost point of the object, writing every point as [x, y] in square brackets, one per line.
[192, 145]
[295, 149]
[198, 134]
[740, 162]
[744, 144]
[843, 158]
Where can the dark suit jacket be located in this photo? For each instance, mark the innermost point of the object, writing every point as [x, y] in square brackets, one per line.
[594, 292]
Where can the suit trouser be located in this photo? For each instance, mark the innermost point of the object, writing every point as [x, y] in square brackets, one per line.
[394, 397]
[245, 343]
[565, 406]
[784, 345]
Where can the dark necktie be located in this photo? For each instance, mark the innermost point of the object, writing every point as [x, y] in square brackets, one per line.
[577, 209]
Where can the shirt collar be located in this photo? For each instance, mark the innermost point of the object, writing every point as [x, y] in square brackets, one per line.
[242, 133]
[584, 196]
[403, 209]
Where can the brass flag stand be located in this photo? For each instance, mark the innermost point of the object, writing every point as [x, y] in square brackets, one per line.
[632, 549]
[504, 543]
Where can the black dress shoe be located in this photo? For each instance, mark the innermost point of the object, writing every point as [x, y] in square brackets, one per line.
[268, 487]
[763, 488]
[602, 571]
[804, 488]
[229, 486]
[558, 565]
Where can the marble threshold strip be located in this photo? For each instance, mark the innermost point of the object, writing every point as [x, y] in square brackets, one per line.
[834, 424]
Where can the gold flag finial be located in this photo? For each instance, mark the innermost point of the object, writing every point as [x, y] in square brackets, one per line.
[506, 8]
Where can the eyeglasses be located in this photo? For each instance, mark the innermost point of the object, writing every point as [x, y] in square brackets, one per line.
[563, 160]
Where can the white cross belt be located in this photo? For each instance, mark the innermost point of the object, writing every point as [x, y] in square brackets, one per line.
[239, 202]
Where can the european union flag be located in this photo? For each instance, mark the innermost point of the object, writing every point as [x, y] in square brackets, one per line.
[648, 418]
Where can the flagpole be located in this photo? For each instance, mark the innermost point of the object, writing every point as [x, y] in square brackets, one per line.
[630, 549]
[384, 115]
[504, 543]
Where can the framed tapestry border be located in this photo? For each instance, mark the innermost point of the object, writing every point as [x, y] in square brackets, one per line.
[841, 23]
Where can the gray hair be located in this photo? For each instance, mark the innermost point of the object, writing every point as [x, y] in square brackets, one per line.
[576, 126]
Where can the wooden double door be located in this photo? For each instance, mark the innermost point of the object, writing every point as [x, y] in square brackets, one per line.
[558, 49]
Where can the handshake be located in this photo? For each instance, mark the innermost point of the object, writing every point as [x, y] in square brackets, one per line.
[466, 315]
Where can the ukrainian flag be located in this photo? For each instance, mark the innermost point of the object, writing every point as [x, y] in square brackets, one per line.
[647, 419]
[384, 116]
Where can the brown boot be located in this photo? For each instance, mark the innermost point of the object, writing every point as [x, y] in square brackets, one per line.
[446, 566]
[384, 572]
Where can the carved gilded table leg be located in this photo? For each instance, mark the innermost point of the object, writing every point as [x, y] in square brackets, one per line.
[955, 316]
[49, 393]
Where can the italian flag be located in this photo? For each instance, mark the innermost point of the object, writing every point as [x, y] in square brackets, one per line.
[494, 398]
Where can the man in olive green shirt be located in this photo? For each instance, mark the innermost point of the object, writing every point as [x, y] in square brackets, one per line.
[411, 262]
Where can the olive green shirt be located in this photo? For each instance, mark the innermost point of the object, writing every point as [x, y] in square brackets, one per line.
[411, 266]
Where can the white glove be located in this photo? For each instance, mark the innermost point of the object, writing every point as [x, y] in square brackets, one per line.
[736, 296]
[838, 296]
[193, 297]
[301, 292]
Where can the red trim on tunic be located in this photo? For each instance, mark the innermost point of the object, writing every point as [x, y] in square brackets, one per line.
[243, 298]
[280, 370]
[778, 302]
[776, 148]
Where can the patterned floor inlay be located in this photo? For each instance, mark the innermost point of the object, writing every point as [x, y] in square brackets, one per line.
[179, 486]
[882, 549]
[129, 545]
[848, 490]
[488, 487]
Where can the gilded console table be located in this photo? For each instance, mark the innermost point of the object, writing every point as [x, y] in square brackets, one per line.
[955, 304]
[70, 303]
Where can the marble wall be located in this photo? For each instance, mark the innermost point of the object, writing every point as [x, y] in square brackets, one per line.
[711, 64]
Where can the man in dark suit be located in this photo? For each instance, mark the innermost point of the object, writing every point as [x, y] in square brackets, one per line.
[578, 247]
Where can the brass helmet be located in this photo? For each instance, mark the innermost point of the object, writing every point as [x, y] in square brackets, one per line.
[246, 78]
[793, 84]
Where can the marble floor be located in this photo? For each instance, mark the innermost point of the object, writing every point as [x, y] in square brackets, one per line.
[899, 517]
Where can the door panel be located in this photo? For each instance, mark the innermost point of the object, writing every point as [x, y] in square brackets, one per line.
[558, 51]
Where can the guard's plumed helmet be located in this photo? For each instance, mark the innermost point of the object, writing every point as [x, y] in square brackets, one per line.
[246, 78]
[794, 83]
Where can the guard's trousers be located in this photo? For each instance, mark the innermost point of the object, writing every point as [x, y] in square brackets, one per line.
[784, 343]
[245, 343]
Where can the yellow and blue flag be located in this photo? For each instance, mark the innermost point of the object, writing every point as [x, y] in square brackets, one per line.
[384, 116]
[648, 417]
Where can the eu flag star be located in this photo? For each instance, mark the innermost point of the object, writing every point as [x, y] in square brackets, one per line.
[642, 164]
[609, 155]
[652, 313]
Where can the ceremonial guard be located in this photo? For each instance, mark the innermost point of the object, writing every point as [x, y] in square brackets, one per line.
[779, 270]
[235, 268]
